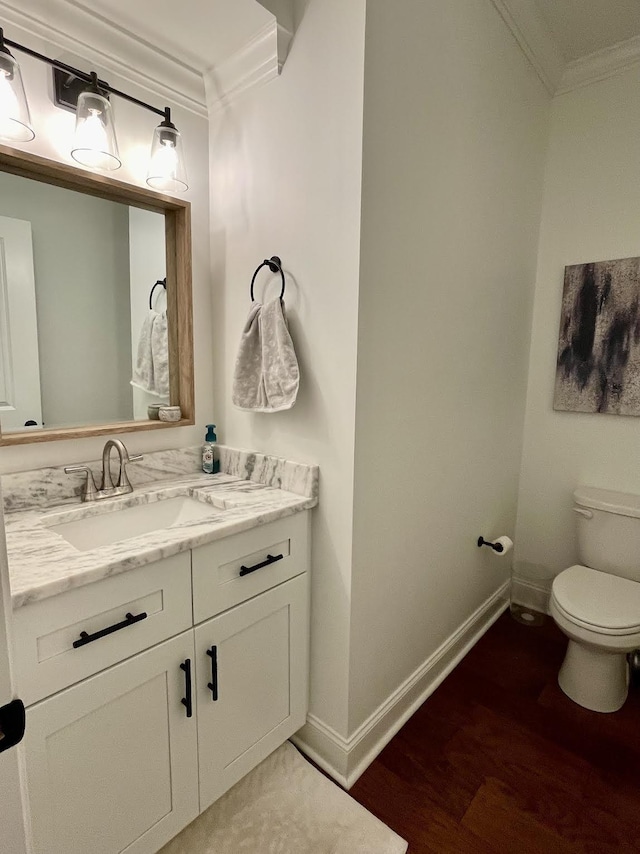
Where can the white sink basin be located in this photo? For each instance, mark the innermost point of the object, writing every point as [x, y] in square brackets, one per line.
[116, 525]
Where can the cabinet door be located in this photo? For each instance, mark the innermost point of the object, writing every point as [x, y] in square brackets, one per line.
[256, 658]
[111, 762]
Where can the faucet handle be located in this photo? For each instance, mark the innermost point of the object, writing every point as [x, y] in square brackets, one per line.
[89, 491]
[123, 480]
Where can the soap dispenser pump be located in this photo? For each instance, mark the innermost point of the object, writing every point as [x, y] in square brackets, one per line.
[209, 463]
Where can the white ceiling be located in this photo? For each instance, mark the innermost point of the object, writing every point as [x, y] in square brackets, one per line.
[581, 27]
[198, 33]
[172, 46]
[202, 33]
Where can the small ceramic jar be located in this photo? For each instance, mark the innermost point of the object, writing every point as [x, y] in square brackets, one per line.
[170, 413]
[153, 411]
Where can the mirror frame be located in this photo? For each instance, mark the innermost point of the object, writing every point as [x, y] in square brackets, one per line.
[177, 214]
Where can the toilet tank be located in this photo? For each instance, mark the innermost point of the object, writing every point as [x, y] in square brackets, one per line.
[608, 530]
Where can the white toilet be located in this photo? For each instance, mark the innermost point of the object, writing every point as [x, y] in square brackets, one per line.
[597, 605]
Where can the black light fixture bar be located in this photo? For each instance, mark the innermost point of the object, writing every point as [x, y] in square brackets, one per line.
[94, 143]
[82, 75]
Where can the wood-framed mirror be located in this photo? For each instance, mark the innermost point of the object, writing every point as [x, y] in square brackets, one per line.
[84, 334]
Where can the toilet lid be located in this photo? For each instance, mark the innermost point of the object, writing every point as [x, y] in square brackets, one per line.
[604, 603]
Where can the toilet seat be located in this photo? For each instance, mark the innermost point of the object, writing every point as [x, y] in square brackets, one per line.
[599, 602]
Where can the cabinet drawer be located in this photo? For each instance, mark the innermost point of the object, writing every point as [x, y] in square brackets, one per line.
[232, 570]
[94, 617]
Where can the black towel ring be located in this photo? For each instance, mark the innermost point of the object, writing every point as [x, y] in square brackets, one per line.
[275, 265]
[160, 283]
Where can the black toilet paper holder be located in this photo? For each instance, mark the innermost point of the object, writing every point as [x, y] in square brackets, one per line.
[497, 547]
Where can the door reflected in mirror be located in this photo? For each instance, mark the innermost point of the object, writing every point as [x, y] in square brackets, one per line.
[80, 341]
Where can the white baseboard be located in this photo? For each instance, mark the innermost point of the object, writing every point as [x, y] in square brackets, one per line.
[345, 759]
[324, 746]
[531, 595]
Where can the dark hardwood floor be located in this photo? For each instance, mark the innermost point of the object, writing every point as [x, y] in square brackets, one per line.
[499, 760]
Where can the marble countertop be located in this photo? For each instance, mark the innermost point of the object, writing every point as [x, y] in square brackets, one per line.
[42, 563]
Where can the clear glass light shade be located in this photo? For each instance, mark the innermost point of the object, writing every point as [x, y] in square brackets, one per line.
[95, 143]
[167, 171]
[15, 121]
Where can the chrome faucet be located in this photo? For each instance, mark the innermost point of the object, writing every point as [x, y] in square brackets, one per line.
[90, 491]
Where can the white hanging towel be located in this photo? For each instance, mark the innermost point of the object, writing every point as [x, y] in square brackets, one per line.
[151, 372]
[266, 376]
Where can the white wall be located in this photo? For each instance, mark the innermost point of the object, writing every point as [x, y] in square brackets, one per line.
[81, 265]
[451, 199]
[54, 128]
[455, 124]
[286, 172]
[591, 212]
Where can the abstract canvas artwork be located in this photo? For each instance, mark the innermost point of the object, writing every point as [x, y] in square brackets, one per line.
[598, 366]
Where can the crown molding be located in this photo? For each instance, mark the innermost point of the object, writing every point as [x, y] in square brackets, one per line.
[255, 63]
[600, 65]
[284, 15]
[73, 27]
[284, 39]
[534, 39]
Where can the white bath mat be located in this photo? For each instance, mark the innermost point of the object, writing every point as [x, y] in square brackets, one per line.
[285, 806]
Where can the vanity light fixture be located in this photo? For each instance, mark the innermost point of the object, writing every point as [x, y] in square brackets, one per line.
[166, 165]
[95, 143]
[15, 121]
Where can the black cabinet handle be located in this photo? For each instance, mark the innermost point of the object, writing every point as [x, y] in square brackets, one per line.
[129, 621]
[213, 685]
[187, 700]
[245, 570]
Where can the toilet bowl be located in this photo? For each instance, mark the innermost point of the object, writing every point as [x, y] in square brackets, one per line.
[597, 603]
[600, 614]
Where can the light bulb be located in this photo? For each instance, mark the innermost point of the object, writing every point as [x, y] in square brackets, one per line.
[166, 163]
[94, 143]
[8, 100]
[92, 137]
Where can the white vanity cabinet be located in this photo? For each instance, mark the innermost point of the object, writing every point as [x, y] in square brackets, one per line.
[131, 735]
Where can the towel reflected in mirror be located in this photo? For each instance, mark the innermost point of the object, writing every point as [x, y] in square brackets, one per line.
[151, 372]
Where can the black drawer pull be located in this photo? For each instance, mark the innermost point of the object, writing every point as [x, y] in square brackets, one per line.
[245, 570]
[187, 701]
[129, 621]
[213, 685]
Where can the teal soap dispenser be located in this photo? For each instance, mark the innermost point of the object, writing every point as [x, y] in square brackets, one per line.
[210, 465]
